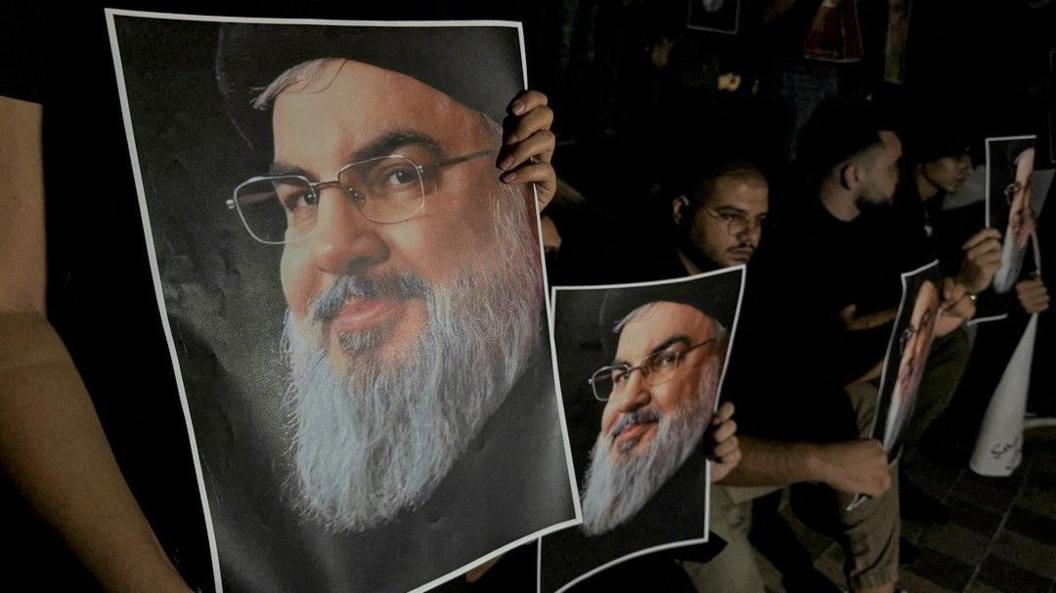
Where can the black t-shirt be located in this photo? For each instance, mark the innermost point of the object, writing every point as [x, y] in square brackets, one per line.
[790, 352]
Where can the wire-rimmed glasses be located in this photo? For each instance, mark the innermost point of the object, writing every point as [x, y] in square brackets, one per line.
[279, 209]
[657, 368]
[737, 222]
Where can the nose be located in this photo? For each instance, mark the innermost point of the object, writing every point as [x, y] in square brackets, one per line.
[751, 233]
[634, 395]
[344, 242]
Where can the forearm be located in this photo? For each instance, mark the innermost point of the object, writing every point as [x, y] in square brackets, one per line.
[772, 463]
[55, 450]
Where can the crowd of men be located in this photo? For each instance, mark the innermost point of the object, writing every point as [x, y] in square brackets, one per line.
[824, 284]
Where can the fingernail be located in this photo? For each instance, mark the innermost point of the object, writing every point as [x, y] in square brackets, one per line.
[518, 108]
[508, 177]
[506, 162]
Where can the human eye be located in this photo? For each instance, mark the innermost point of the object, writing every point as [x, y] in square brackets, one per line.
[667, 359]
[619, 375]
[394, 177]
[294, 195]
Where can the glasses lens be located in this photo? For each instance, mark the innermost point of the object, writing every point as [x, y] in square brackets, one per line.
[736, 224]
[269, 206]
[386, 189]
[603, 382]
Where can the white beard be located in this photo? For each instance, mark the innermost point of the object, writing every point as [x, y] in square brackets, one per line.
[379, 441]
[615, 492]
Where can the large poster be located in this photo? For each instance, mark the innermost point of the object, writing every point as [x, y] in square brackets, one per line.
[907, 354]
[641, 369]
[354, 303]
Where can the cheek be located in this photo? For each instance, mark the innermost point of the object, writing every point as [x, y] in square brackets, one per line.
[710, 235]
[671, 395]
[608, 419]
[296, 277]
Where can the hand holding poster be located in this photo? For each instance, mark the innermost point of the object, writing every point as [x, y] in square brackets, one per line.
[641, 369]
[354, 302]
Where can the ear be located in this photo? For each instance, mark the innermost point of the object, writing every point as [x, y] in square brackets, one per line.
[850, 176]
[679, 209]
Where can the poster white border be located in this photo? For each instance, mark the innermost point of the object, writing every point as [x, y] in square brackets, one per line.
[743, 270]
[156, 275]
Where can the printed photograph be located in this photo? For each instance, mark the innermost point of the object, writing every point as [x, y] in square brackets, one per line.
[718, 16]
[354, 301]
[907, 354]
[1010, 165]
[641, 369]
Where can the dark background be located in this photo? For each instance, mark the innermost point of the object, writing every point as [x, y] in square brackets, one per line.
[622, 120]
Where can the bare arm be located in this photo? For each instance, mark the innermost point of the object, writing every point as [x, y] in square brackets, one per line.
[51, 442]
[853, 467]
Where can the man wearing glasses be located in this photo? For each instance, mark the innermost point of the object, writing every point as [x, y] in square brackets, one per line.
[721, 216]
[659, 394]
[413, 281]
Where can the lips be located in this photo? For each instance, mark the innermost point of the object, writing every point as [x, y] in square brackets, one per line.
[629, 437]
[360, 314]
[743, 253]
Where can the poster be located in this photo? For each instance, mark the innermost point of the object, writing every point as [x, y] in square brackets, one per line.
[641, 369]
[718, 16]
[354, 303]
[907, 355]
[1010, 165]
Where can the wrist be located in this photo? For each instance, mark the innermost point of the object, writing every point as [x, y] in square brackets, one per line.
[815, 463]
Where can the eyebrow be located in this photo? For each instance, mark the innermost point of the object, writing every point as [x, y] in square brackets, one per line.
[383, 145]
[659, 348]
[722, 207]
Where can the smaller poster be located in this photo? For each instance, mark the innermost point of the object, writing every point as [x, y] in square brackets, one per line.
[641, 369]
[835, 34]
[719, 16]
[907, 354]
[1010, 163]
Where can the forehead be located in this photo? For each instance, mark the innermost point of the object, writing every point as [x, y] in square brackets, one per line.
[927, 298]
[346, 104]
[892, 145]
[659, 323]
[746, 192]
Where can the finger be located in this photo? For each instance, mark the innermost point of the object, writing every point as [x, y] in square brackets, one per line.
[725, 431]
[724, 413]
[1033, 292]
[981, 236]
[538, 173]
[526, 101]
[983, 249]
[540, 144]
[531, 122]
[541, 174]
[989, 260]
[725, 448]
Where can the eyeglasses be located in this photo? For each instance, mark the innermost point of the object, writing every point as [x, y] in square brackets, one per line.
[738, 222]
[279, 209]
[910, 331]
[657, 368]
